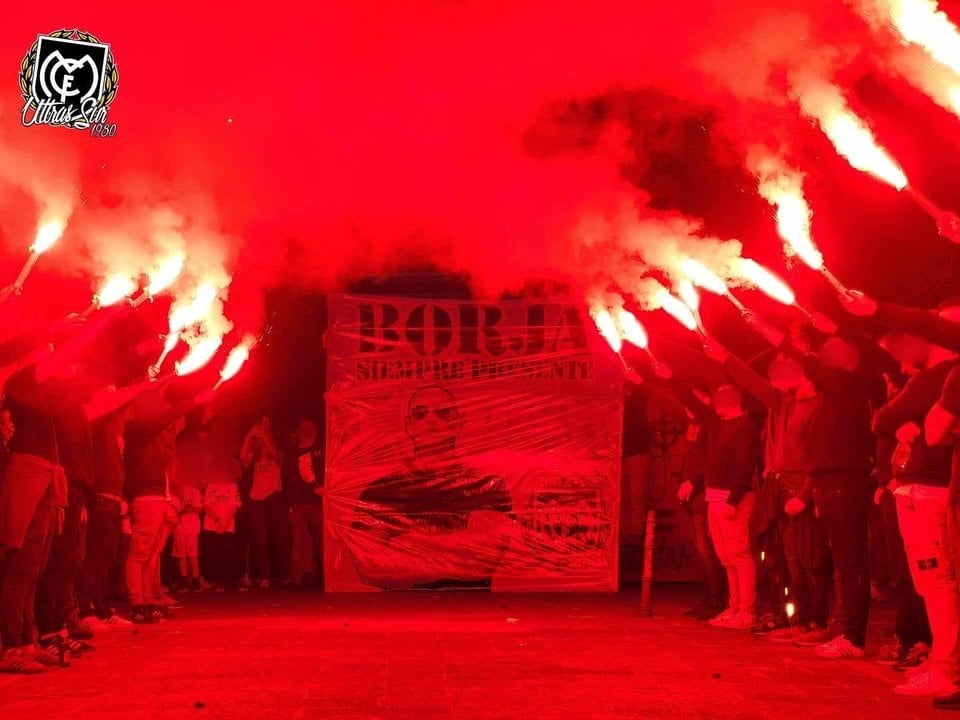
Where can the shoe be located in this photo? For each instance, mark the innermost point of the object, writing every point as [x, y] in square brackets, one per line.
[245, 582]
[142, 615]
[814, 637]
[917, 657]
[219, 588]
[768, 624]
[264, 584]
[949, 702]
[81, 633]
[14, 660]
[709, 612]
[168, 602]
[694, 611]
[787, 635]
[163, 613]
[740, 620]
[115, 622]
[722, 618]
[181, 584]
[928, 684]
[892, 654]
[839, 649]
[204, 585]
[78, 647]
[90, 623]
[744, 620]
[51, 652]
[195, 585]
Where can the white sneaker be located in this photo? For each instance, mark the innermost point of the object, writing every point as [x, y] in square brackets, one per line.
[839, 649]
[920, 669]
[738, 620]
[90, 623]
[115, 622]
[928, 684]
[743, 620]
[722, 619]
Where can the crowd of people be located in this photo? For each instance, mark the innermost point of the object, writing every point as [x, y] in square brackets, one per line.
[98, 481]
[843, 454]
[844, 448]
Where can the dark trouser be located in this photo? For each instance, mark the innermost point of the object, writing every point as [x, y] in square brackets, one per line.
[912, 624]
[773, 567]
[306, 525]
[56, 591]
[21, 570]
[242, 542]
[219, 554]
[842, 500]
[268, 527]
[714, 582]
[808, 560]
[103, 541]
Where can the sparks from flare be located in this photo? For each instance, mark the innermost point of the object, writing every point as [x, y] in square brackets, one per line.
[631, 330]
[161, 277]
[767, 282]
[703, 277]
[783, 188]
[691, 298]
[183, 315]
[47, 234]
[678, 310]
[235, 360]
[923, 23]
[607, 327]
[200, 354]
[848, 133]
[114, 289]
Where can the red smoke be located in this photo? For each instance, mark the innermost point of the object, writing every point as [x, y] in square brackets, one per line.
[307, 144]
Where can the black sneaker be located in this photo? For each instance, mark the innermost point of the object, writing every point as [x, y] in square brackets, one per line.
[142, 615]
[78, 647]
[915, 657]
[695, 610]
[161, 613]
[709, 612]
[81, 633]
[950, 702]
[768, 623]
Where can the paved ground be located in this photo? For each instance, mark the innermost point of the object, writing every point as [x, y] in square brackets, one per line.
[282, 655]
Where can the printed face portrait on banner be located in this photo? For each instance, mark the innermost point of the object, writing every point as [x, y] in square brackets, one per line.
[469, 446]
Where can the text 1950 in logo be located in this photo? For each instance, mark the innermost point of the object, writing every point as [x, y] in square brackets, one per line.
[68, 79]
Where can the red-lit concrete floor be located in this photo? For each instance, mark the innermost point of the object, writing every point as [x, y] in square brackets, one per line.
[272, 654]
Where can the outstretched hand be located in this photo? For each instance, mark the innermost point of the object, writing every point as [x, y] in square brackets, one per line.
[8, 292]
[823, 324]
[632, 376]
[858, 303]
[770, 333]
[948, 225]
[715, 351]
[662, 370]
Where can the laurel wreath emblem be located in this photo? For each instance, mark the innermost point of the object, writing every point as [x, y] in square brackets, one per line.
[29, 64]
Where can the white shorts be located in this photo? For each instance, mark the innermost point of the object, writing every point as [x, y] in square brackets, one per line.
[185, 543]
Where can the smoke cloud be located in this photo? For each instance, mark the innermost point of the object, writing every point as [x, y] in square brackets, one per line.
[308, 145]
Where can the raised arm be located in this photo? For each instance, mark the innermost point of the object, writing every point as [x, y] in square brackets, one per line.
[943, 419]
